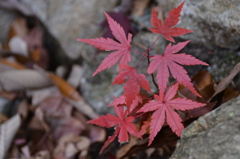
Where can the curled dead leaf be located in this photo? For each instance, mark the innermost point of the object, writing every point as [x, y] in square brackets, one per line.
[7, 132]
[65, 88]
[139, 6]
[69, 145]
[226, 81]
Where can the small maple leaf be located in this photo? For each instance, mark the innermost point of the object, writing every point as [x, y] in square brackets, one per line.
[170, 61]
[164, 107]
[123, 125]
[166, 28]
[122, 47]
[121, 101]
[132, 86]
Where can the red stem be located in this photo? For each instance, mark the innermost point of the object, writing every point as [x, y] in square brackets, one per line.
[139, 52]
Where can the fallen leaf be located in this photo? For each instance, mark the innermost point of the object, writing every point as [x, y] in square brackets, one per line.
[204, 84]
[66, 89]
[43, 155]
[69, 145]
[40, 115]
[3, 118]
[39, 95]
[226, 81]
[134, 142]
[26, 151]
[97, 134]
[19, 46]
[139, 6]
[197, 112]
[75, 76]
[23, 109]
[7, 133]
[35, 55]
[230, 93]
[82, 106]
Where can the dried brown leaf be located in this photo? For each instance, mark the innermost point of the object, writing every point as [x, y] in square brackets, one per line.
[226, 81]
[139, 6]
[204, 83]
[43, 155]
[66, 89]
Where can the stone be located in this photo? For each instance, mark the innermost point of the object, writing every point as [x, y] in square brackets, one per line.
[213, 136]
[72, 19]
[215, 23]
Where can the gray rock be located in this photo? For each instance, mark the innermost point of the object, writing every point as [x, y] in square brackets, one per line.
[213, 136]
[71, 19]
[214, 22]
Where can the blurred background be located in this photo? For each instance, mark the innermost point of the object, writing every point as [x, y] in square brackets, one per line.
[47, 89]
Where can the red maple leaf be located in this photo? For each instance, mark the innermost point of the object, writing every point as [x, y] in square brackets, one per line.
[166, 29]
[132, 86]
[121, 101]
[170, 61]
[122, 47]
[164, 106]
[123, 125]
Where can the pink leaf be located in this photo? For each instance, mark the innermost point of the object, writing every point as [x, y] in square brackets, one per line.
[123, 48]
[170, 61]
[164, 106]
[166, 29]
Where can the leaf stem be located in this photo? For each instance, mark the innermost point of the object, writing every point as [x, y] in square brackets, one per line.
[148, 53]
[140, 115]
[153, 78]
[141, 59]
[139, 52]
[154, 42]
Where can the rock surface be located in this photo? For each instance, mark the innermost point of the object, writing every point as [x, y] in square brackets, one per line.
[213, 136]
[72, 19]
[214, 22]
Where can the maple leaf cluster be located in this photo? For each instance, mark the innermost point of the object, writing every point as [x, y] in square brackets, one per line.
[134, 104]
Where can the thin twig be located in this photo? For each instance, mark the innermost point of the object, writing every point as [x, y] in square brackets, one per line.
[153, 78]
[139, 52]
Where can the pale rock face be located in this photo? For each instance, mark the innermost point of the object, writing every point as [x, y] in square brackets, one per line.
[214, 135]
[214, 22]
[71, 19]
